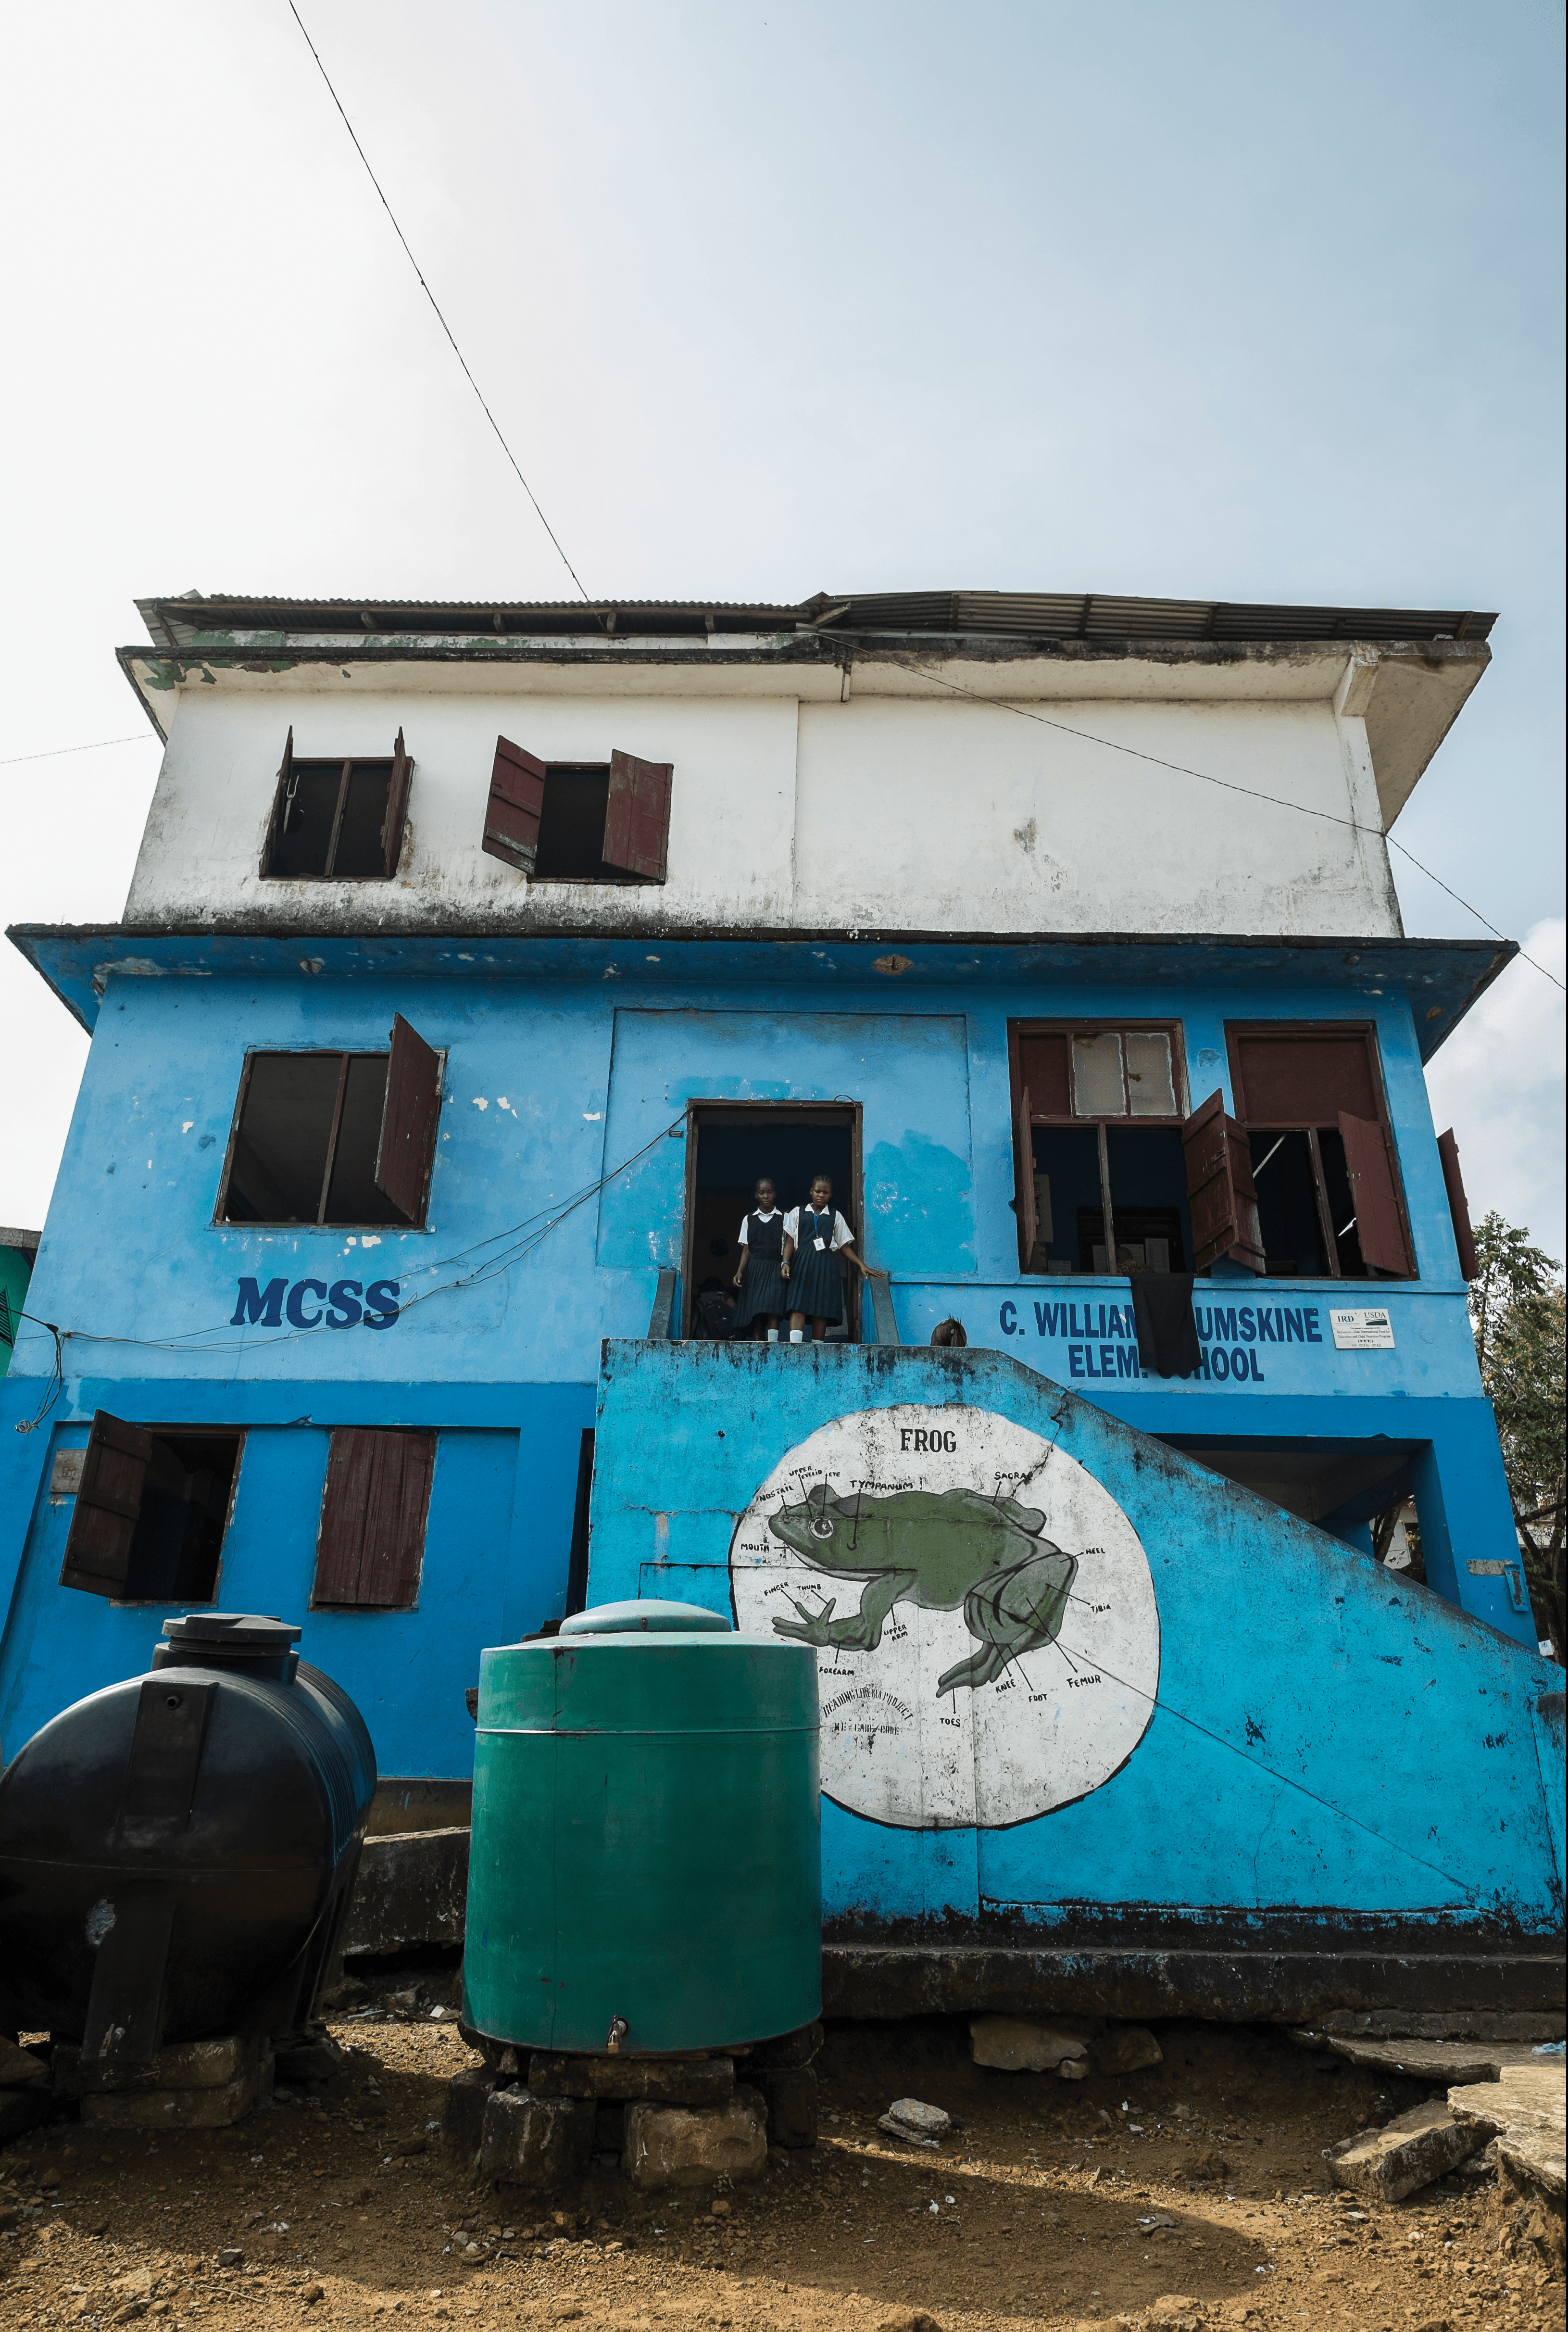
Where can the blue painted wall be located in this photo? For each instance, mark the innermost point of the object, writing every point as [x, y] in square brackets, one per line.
[557, 1197]
[1328, 1740]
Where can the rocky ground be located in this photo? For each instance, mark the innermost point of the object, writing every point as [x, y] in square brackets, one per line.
[1191, 2195]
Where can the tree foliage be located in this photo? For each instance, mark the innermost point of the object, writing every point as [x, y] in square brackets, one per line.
[1517, 1310]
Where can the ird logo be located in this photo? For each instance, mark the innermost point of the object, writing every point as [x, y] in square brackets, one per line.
[347, 1303]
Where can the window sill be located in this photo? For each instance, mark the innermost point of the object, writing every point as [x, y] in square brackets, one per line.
[378, 1231]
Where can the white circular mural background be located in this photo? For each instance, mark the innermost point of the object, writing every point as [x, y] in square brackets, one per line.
[987, 1641]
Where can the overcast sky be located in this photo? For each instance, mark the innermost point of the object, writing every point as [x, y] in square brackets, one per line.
[1219, 301]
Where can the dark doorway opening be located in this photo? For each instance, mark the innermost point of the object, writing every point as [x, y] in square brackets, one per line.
[576, 1572]
[728, 1146]
[1344, 1486]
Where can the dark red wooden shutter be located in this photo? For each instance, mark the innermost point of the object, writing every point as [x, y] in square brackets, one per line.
[516, 803]
[1220, 1189]
[409, 1115]
[373, 1513]
[637, 815]
[395, 1513]
[279, 803]
[108, 1507]
[1282, 1080]
[1379, 1223]
[1043, 1067]
[1024, 1181]
[1458, 1205]
[396, 807]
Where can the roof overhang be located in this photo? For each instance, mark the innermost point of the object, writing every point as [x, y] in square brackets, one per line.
[1408, 691]
[1439, 979]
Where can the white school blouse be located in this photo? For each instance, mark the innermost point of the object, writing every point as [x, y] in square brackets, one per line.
[760, 1218]
[842, 1234]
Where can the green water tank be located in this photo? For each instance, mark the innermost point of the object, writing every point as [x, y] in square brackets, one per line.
[646, 1863]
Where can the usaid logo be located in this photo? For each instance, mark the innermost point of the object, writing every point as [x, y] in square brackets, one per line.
[312, 1304]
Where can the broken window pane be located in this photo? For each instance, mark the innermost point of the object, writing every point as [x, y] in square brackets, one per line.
[280, 1153]
[358, 853]
[1150, 1087]
[1098, 1090]
[309, 810]
[352, 1196]
[330, 821]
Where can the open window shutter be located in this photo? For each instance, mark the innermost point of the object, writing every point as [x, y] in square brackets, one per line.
[1458, 1205]
[396, 807]
[108, 1507]
[515, 805]
[373, 1513]
[1220, 1189]
[279, 803]
[1379, 1224]
[1024, 1181]
[409, 1115]
[637, 815]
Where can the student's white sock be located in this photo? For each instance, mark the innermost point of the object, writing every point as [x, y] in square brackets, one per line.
[796, 1336]
[772, 1335]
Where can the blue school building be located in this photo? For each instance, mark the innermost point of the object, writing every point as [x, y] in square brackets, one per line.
[424, 1104]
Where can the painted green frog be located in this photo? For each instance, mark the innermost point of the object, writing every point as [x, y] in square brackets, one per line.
[938, 1549]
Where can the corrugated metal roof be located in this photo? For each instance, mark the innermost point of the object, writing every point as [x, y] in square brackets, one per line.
[193, 619]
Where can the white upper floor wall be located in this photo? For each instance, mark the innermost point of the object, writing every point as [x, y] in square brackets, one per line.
[930, 789]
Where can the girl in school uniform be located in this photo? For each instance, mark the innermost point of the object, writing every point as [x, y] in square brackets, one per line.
[759, 1277]
[814, 1235]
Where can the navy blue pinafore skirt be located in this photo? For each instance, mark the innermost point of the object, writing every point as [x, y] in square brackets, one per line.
[763, 1293]
[815, 1284]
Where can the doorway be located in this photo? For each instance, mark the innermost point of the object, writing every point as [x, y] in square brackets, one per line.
[729, 1145]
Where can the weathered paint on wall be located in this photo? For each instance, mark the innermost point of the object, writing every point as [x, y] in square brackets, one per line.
[896, 813]
[1295, 1738]
[500, 1524]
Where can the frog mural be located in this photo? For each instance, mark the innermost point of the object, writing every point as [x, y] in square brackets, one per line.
[980, 1607]
[942, 1549]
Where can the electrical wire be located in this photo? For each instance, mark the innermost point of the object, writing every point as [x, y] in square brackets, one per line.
[440, 318]
[526, 1236]
[1114, 745]
[142, 737]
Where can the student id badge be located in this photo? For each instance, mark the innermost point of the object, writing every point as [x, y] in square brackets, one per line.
[820, 1244]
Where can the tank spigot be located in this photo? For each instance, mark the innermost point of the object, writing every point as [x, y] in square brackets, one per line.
[619, 2028]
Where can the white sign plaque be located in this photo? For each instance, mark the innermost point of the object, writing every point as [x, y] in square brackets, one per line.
[1361, 1330]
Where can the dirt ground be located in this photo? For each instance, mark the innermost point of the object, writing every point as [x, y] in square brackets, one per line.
[1192, 2194]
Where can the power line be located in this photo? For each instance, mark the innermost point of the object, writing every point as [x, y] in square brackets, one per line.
[440, 318]
[1114, 745]
[142, 737]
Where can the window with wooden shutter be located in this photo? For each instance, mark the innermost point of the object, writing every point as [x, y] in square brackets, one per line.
[1220, 1189]
[638, 817]
[338, 819]
[1458, 1205]
[1324, 1164]
[514, 807]
[1100, 1145]
[580, 821]
[108, 1507]
[371, 1539]
[152, 1506]
[335, 1138]
[408, 1116]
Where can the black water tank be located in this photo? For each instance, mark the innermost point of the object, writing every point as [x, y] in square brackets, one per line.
[177, 1852]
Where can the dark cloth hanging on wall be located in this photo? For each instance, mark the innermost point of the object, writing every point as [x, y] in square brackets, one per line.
[1167, 1331]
